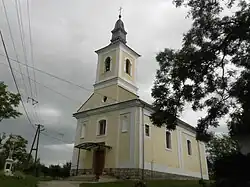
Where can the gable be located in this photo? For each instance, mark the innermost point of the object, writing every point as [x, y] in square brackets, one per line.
[114, 94]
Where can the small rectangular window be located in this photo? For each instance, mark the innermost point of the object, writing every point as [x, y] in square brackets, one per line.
[168, 140]
[147, 130]
[102, 127]
[189, 147]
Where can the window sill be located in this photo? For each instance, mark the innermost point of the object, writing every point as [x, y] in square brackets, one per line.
[124, 131]
[81, 138]
[101, 135]
[168, 149]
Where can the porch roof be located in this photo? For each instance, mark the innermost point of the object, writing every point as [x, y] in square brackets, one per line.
[92, 145]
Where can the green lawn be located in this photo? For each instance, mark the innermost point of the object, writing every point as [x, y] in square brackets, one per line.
[159, 183]
[15, 182]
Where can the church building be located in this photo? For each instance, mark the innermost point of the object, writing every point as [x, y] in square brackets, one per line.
[114, 134]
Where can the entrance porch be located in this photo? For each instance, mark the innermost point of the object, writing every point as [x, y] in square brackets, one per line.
[99, 153]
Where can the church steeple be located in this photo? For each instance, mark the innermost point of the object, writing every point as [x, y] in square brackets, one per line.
[119, 33]
[117, 63]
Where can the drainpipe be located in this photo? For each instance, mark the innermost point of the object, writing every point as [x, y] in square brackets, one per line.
[199, 153]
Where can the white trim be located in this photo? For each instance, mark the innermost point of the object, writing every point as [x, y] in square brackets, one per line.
[180, 147]
[97, 127]
[128, 51]
[127, 85]
[98, 69]
[116, 81]
[166, 169]
[147, 112]
[132, 137]
[205, 158]
[188, 132]
[140, 137]
[118, 56]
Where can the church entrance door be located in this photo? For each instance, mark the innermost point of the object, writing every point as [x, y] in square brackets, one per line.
[98, 161]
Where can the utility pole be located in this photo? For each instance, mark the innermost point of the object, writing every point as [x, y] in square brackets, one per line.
[36, 139]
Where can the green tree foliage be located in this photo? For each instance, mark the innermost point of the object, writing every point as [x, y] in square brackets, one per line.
[20, 154]
[210, 72]
[8, 102]
[218, 148]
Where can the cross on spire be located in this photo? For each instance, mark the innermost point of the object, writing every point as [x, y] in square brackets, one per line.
[120, 12]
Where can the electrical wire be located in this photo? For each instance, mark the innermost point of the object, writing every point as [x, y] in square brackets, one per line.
[61, 79]
[14, 78]
[45, 85]
[31, 45]
[13, 43]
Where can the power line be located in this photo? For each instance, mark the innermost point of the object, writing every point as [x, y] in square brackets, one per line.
[12, 73]
[13, 43]
[61, 79]
[21, 31]
[31, 44]
[46, 134]
[45, 86]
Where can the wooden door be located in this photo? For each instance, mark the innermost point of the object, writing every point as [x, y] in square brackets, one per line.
[99, 161]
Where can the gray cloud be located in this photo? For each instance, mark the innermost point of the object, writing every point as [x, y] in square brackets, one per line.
[65, 36]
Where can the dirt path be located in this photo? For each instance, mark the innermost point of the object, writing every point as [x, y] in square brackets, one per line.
[58, 184]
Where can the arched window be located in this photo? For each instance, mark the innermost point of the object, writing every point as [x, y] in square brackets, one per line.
[189, 147]
[128, 67]
[107, 64]
[168, 140]
[102, 127]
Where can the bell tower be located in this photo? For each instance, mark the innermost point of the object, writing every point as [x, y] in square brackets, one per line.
[117, 62]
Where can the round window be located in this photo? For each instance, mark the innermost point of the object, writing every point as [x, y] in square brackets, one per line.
[104, 99]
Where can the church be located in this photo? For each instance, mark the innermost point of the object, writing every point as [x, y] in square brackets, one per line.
[114, 134]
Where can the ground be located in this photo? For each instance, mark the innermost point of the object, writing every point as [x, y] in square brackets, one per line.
[162, 183]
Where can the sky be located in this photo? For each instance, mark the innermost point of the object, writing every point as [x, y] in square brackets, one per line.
[65, 35]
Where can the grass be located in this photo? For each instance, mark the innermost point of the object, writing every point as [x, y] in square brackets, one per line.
[28, 181]
[159, 183]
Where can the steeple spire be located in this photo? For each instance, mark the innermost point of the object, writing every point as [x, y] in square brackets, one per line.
[119, 33]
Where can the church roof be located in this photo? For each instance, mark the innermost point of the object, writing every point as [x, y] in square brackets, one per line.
[115, 44]
[133, 103]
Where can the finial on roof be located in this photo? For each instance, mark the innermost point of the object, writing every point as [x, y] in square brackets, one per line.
[119, 33]
[120, 12]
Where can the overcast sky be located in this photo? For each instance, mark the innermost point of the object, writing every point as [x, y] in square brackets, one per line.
[65, 35]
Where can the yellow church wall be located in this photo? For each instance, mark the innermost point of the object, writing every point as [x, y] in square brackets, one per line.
[124, 150]
[102, 74]
[96, 100]
[114, 93]
[124, 56]
[109, 138]
[191, 162]
[155, 148]
[125, 95]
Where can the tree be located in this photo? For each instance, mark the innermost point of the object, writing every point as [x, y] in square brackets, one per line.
[8, 102]
[220, 147]
[19, 146]
[210, 72]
